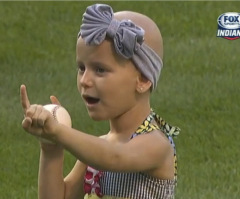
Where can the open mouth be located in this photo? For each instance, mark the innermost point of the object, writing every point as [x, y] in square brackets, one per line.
[91, 100]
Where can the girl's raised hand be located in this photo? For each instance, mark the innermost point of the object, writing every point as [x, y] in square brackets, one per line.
[37, 121]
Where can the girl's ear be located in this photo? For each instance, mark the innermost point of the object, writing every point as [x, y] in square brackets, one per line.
[143, 84]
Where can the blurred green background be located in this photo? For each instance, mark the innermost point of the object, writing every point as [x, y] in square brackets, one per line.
[199, 89]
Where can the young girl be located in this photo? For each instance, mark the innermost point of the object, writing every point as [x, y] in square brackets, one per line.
[119, 56]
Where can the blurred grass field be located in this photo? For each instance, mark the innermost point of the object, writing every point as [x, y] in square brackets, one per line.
[199, 89]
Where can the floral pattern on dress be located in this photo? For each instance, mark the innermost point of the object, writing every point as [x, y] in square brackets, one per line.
[91, 181]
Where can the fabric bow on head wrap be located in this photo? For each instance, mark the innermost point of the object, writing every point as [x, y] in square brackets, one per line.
[98, 23]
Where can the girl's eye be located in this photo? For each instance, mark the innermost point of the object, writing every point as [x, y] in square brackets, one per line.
[100, 70]
[81, 69]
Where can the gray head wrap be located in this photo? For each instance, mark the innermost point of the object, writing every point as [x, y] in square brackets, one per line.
[128, 39]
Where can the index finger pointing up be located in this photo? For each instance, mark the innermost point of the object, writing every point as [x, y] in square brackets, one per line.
[24, 98]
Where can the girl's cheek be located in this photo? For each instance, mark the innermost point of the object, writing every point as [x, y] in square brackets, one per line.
[78, 84]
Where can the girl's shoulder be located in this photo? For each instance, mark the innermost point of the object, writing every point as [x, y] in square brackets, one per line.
[103, 136]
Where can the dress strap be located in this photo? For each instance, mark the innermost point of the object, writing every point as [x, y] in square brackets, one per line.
[167, 129]
[147, 126]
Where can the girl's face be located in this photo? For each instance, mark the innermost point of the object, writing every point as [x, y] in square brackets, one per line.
[106, 82]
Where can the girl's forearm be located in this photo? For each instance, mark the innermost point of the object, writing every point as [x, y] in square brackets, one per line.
[89, 149]
[50, 180]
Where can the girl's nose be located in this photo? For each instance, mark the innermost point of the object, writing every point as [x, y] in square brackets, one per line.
[86, 79]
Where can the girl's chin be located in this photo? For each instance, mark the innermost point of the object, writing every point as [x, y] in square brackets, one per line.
[97, 116]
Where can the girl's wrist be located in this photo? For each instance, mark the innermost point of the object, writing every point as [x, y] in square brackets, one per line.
[51, 147]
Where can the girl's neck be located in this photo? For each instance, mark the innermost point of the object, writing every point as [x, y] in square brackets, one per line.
[127, 123]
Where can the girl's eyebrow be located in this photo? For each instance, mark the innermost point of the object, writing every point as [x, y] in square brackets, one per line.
[97, 63]
[78, 61]
[93, 63]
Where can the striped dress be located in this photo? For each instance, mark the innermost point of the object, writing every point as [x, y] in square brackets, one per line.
[134, 185]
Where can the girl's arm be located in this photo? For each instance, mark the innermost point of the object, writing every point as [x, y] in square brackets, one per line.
[143, 153]
[50, 179]
[51, 183]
